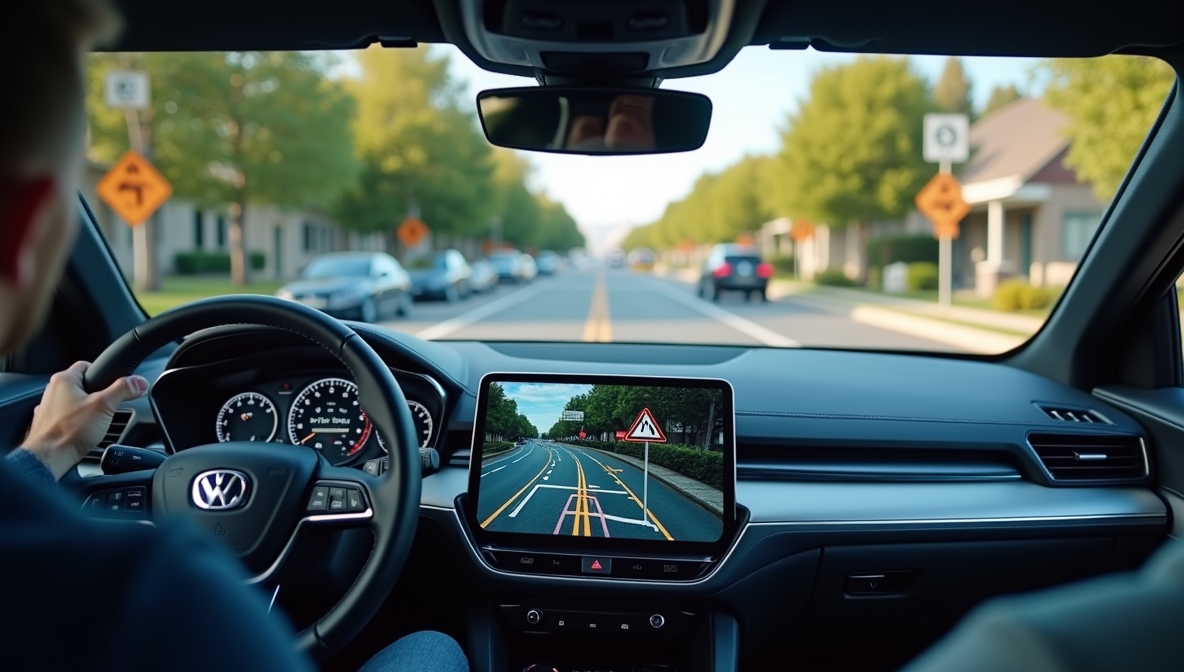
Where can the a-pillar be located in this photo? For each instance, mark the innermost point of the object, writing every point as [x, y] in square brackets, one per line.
[992, 270]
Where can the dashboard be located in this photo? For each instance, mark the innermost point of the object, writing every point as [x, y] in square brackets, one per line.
[286, 396]
[878, 494]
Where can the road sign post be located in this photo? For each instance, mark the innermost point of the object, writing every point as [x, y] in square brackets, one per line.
[947, 141]
[130, 91]
[645, 429]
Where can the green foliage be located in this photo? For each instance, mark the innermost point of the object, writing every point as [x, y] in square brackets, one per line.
[502, 419]
[1015, 295]
[884, 251]
[875, 278]
[694, 412]
[235, 128]
[704, 466]
[201, 263]
[1111, 103]
[782, 263]
[495, 447]
[1001, 95]
[852, 151]
[953, 90]
[921, 276]
[834, 277]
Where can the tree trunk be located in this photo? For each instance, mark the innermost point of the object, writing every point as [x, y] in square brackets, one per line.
[239, 271]
[710, 426]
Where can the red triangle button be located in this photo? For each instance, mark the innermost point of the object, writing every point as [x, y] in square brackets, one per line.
[596, 564]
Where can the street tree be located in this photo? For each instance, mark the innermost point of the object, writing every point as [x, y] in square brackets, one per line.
[1111, 103]
[851, 153]
[952, 93]
[1000, 96]
[421, 151]
[230, 129]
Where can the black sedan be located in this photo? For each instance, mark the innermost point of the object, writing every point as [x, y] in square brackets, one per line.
[734, 268]
[366, 286]
[441, 275]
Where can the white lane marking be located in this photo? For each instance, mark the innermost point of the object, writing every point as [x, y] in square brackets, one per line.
[560, 487]
[549, 472]
[546, 478]
[490, 472]
[442, 329]
[632, 521]
[762, 334]
[527, 453]
[594, 487]
[501, 458]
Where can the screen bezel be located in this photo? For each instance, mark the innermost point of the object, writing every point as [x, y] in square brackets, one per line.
[598, 545]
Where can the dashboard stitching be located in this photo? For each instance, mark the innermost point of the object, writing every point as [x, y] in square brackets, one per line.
[899, 418]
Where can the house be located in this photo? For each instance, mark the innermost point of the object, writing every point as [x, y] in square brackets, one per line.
[287, 239]
[1032, 217]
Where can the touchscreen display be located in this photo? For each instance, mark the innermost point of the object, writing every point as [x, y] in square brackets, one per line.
[640, 461]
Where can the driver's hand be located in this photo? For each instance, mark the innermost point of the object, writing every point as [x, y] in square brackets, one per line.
[69, 422]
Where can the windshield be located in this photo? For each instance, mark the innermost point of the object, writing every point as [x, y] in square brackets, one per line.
[337, 268]
[855, 201]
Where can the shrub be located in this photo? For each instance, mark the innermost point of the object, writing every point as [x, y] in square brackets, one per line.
[834, 277]
[875, 278]
[1013, 295]
[257, 261]
[496, 447]
[1035, 298]
[691, 461]
[884, 251]
[921, 275]
[196, 263]
[782, 263]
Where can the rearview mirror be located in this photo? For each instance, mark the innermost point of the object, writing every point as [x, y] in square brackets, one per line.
[569, 120]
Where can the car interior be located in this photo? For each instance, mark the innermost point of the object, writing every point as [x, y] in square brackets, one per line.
[870, 498]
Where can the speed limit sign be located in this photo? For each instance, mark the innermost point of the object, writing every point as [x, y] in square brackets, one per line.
[126, 90]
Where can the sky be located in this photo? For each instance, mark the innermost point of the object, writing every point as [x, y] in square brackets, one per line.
[542, 403]
[752, 97]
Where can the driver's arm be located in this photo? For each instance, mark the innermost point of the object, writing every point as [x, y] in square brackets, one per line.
[69, 422]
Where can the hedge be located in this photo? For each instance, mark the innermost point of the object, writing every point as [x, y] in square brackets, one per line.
[834, 278]
[1013, 295]
[703, 466]
[782, 263]
[884, 251]
[921, 275]
[496, 447]
[199, 263]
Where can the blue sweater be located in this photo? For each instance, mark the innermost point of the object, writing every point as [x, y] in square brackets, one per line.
[27, 465]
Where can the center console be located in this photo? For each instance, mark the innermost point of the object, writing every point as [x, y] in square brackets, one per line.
[611, 480]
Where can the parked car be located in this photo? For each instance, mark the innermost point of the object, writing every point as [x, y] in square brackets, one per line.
[548, 262]
[738, 268]
[484, 277]
[443, 274]
[616, 259]
[642, 259]
[513, 266]
[365, 286]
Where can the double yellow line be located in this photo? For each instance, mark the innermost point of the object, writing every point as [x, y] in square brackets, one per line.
[599, 329]
[581, 503]
[645, 512]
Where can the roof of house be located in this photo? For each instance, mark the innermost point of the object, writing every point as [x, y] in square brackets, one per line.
[1015, 141]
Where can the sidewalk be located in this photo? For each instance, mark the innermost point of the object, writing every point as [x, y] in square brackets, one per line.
[703, 495]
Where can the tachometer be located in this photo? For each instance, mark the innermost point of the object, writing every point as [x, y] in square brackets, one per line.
[326, 416]
[249, 416]
[423, 424]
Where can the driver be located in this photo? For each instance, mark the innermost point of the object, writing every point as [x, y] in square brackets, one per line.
[84, 594]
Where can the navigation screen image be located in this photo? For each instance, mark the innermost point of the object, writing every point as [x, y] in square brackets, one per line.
[603, 461]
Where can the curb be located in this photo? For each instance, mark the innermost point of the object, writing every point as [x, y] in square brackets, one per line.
[710, 506]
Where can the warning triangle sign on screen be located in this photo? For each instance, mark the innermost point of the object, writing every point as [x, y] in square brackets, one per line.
[645, 428]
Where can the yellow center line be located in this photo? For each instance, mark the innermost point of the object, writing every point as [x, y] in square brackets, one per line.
[649, 512]
[517, 494]
[575, 523]
[599, 329]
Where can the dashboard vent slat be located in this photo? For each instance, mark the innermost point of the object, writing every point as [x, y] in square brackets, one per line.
[1091, 457]
[119, 423]
[1076, 415]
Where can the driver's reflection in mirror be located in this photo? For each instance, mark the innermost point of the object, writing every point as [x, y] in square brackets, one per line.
[628, 126]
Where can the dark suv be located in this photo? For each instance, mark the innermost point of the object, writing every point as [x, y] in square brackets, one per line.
[737, 268]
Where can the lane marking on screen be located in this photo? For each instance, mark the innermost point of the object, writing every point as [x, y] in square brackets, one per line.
[652, 517]
[526, 455]
[509, 501]
[514, 513]
[490, 472]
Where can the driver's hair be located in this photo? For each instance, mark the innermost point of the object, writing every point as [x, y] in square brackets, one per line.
[42, 47]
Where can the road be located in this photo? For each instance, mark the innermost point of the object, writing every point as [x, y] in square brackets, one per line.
[619, 305]
[556, 488]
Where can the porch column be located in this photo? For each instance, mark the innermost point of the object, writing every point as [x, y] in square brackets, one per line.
[995, 233]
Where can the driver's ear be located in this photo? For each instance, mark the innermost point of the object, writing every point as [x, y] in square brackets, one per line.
[23, 203]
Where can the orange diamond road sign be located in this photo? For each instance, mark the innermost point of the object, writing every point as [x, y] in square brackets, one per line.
[411, 231]
[801, 230]
[941, 201]
[134, 189]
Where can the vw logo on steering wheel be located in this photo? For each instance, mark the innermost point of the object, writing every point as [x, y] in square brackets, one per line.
[220, 489]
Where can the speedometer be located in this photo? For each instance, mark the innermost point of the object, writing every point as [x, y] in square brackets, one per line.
[249, 416]
[326, 416]
[423, 425]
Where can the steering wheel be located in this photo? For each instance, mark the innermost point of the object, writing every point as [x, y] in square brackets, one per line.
[254, 498]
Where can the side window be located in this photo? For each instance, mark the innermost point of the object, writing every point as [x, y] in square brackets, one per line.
[1077, 229]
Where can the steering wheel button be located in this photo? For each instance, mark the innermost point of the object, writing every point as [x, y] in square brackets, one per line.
[336, 504]
[136, 493]
[353, 500]
[336, 493]
[320, 498]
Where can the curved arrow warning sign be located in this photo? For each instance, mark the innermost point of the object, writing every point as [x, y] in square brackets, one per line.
[645, 429]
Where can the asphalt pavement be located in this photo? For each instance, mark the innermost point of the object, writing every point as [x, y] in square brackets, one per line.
[562, 489]
[619, 305]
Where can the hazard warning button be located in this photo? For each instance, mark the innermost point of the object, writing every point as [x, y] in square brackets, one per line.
[593, 564]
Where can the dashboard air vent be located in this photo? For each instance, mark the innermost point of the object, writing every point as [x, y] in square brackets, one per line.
[1078, 415]
[119, 424]
[1090, 457]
